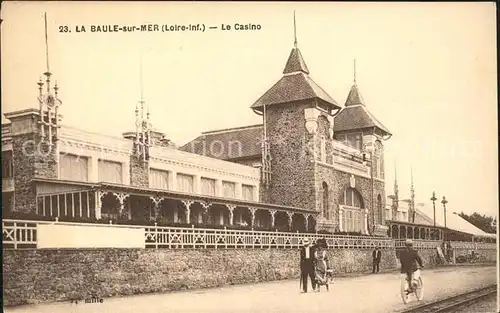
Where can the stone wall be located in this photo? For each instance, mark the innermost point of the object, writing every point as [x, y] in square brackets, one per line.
[34, 276]
[139, 172]
[23, 161]
[31, 158]
[488, 256]
[292, 182]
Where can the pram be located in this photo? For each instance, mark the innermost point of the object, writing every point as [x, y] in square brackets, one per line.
[323, 274]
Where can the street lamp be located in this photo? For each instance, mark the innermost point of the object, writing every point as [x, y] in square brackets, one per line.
[444, 201]
[433, 199]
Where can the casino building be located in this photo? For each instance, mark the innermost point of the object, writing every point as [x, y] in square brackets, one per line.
[313, 164]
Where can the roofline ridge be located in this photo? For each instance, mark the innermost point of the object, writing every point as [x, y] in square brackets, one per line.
[227, 130]
[375, 119]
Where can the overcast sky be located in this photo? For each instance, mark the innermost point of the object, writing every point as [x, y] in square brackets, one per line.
[427, 71]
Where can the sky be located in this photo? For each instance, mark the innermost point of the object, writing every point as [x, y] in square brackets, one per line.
[427, 71]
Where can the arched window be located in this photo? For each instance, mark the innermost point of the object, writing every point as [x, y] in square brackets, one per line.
[325, 201]
[352, 198]
[357, 221]
[353, 218]
[350, 224]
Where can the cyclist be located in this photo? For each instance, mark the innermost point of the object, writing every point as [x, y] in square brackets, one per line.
[410, 264]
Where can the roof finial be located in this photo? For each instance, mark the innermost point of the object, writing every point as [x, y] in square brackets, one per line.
[395, 174]
[46, 44]
[411, 173]
[140, 78]
[294, 30]
[354, 70]
[396, 187]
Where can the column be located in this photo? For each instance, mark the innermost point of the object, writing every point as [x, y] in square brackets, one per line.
[172, 180]
[255, 190]
[219, 192]
[126, 172]
[231, 213]
[253, 211]
[93, 169]
[187, 205]
[365, 214]
[176, 214]
[341, 219]
[98, 203]
[156, 205]
[238, 192]
[205, 206]
[290, 219]
[197, 184]
[306, 220]
[273, 212]
[121, 198]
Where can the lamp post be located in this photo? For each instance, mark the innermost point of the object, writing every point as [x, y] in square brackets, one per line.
[433, 199]
[444, 201]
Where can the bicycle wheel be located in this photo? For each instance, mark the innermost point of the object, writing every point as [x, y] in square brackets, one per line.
[404, 288]
[419, 292]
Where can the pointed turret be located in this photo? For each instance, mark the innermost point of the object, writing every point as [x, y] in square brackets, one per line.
[354, 96]
[295, 85]
[355, 115]
[412, 198]
[295, 63]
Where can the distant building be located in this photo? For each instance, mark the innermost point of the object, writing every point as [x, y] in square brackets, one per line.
[408, 219]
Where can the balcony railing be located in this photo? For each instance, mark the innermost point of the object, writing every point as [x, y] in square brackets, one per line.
[23, 234]
[419, 243]
[473, 245]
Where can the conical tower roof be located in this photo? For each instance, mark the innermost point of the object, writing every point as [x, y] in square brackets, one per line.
[354, 97]
[295, 63]
[355, 115]
[295, 85]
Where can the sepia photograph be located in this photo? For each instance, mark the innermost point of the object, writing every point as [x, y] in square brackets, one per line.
[249, 157]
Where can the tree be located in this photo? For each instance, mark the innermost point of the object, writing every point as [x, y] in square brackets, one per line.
[481, 221]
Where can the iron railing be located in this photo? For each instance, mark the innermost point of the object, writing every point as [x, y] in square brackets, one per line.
[22, 234]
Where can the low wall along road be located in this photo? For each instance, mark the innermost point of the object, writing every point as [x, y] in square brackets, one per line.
[45, 275]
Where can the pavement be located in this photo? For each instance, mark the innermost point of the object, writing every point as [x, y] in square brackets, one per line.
[373, 293]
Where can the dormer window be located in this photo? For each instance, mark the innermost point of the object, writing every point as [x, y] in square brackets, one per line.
[353, 140]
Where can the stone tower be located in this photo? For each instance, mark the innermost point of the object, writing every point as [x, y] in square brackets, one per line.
[35, 134]
[297, 113]
[357, 128]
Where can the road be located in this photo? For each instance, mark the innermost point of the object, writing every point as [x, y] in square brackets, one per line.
[376, 293]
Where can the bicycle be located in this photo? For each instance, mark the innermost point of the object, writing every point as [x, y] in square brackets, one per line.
[407, 289]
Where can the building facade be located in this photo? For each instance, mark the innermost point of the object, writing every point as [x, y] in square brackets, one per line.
[311, 165]
[320, 156]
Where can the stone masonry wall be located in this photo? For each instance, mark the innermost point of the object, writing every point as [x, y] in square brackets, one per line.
[31, 159]
[338, 181]
[139, 172]
[292, 181]
[23, 162]
[34, 276]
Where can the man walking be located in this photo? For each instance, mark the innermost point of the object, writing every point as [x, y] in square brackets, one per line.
[377, 254]
[307, 265]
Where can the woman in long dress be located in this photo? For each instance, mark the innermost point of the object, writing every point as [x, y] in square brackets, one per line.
[322, 267]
